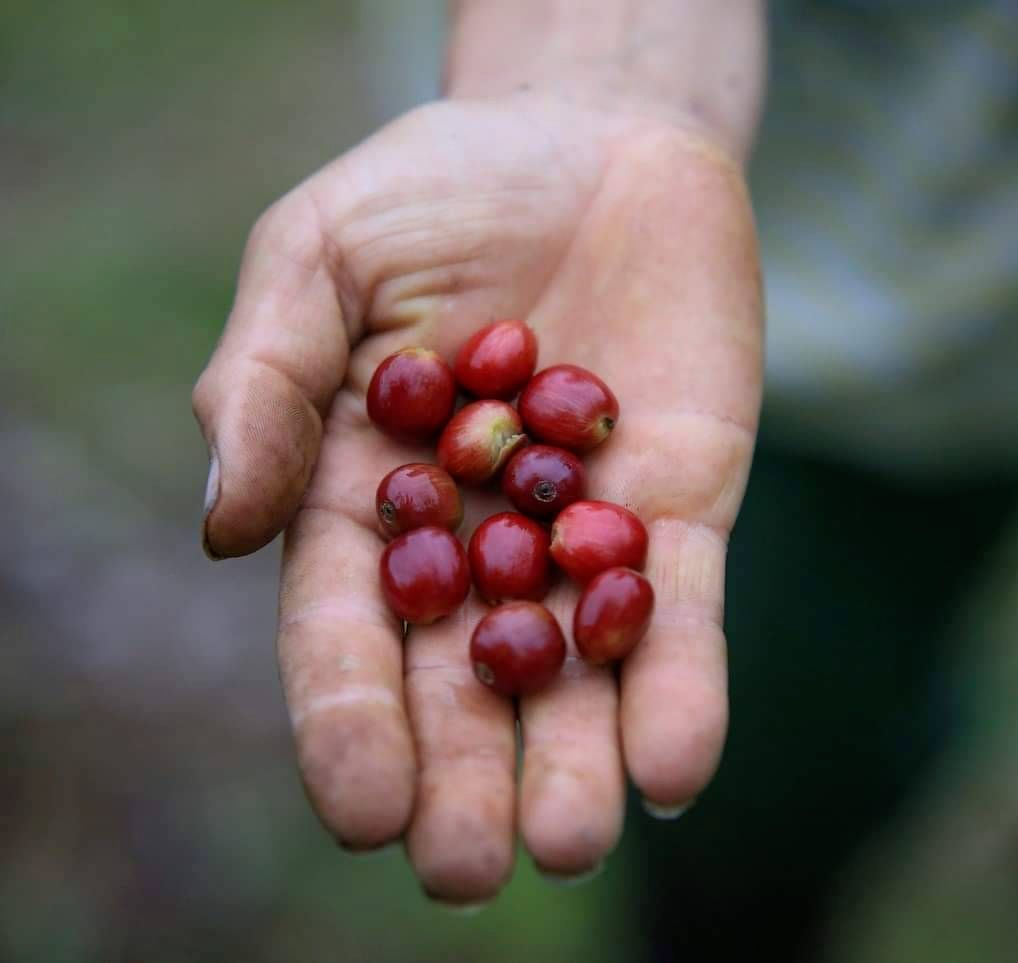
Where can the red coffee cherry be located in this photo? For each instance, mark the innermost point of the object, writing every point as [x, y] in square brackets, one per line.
[568, 406]
[479, 440]
[411, 395]
[517, 648]
[497, 361]
[541, 480]
[589, 537]
[425, 575]
[414, 496]
[509, 558]
[612, 615]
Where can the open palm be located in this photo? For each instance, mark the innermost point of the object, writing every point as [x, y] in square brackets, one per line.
[627, 244]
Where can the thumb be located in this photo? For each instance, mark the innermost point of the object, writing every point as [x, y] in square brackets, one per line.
[261, 400]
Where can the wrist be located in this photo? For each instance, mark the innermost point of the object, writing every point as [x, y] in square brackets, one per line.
[697, 63]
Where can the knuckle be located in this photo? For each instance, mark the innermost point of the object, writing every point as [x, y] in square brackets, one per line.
[376, 698]
[289, 227]
[202, 398]
[267, 224]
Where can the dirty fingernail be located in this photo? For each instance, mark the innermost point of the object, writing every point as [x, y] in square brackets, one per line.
[212, 487]
[461, 909]
[571, 879]
[368, 852]
[454, 908]
[666, 812]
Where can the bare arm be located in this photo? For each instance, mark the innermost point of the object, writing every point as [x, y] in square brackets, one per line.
[701, 60]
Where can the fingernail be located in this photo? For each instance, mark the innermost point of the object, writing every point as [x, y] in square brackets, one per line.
[571, 879]
[455, 909]
[212, 485]
[381, 849]
[666, 812]
[211, 497]
[460, 909]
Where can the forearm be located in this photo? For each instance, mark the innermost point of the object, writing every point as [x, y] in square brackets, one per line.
[701, 59]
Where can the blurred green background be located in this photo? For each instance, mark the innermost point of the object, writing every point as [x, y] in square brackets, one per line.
[149, 808]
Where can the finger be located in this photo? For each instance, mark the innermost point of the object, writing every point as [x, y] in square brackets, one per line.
[341, 663]
[461, 838]
[674, 709]
[572, 793]
[281, 359]
[680, 454]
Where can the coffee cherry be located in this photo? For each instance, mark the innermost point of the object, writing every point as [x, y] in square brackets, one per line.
[568, 406]
[509, 558]
[541, 480]
[425, 574]
[517, 648]
[411, 395]
[612, 615]
[497, 361]
[589, 537]
[413, 496]
[479, 441]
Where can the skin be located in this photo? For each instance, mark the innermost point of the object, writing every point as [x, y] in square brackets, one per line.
[619, 226]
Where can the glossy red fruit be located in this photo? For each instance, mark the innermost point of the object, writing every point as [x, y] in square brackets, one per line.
[569, 406]
[411, 395]
[413, 496]
[589, 537]
[497, 361]
[541, 480]
[425, 574]
[612, 615]
[517, 648]
[479, 441]
[509, 558]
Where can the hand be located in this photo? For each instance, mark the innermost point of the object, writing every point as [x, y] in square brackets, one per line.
[627, 243]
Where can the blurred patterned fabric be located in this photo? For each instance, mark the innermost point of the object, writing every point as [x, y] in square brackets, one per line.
[886, 185]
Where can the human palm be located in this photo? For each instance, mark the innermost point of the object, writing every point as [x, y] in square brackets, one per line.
[627, 244]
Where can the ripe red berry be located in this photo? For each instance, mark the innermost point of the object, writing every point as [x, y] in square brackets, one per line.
[612, 615]
[568, 406]
[509, 558]
[479, 440]
[589, 537]
[411, 395]
[425, 574]
[541, 480]
[517, 648]
[497, 361]
[413, 496]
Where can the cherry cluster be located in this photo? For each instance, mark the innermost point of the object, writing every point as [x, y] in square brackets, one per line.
[518, 647]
